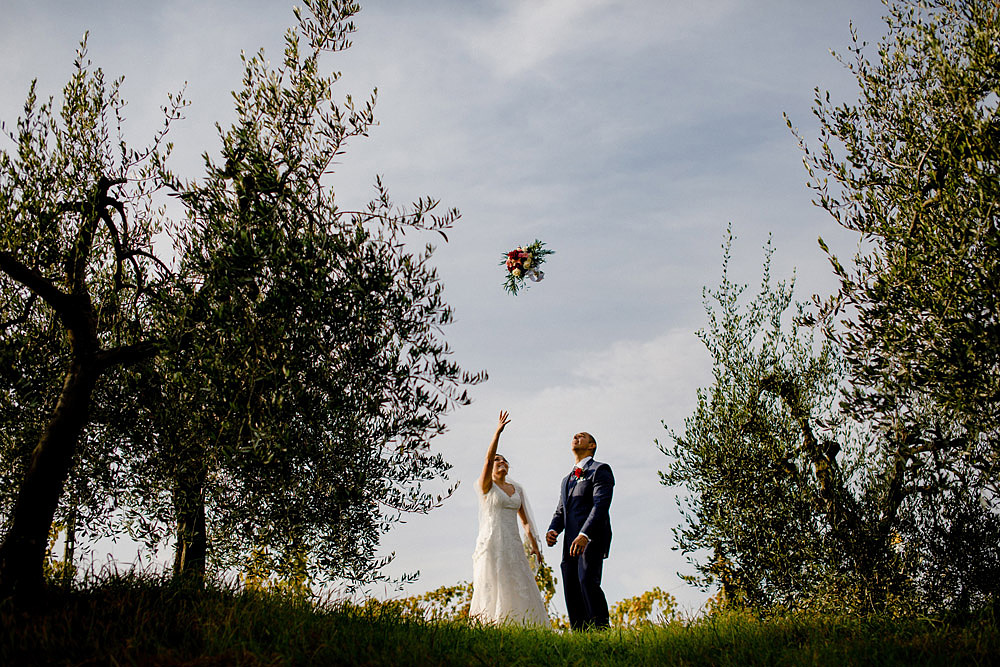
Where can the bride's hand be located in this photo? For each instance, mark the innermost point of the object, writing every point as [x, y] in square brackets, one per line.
[503, 421]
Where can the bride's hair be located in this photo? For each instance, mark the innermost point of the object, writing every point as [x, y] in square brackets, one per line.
[501, 456]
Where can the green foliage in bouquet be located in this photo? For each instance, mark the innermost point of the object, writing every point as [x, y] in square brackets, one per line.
[524, 262]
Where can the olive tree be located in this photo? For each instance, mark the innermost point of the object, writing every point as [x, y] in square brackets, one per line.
[76, 230]
[270, 389]
[305, 396]
[858, 469]
[913, 167]
[775, 484]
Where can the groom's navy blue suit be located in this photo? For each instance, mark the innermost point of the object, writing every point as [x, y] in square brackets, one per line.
[583, 508]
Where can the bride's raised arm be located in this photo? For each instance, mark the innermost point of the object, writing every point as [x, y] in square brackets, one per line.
[486, 477]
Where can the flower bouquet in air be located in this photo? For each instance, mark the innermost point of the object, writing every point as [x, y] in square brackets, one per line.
[524, 262]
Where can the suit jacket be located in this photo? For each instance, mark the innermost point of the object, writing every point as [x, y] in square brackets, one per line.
[583, 507]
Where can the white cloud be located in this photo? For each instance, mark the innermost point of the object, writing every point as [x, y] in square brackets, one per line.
[529, 34]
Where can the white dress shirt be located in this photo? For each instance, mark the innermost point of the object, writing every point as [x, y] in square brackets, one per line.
[581, 465]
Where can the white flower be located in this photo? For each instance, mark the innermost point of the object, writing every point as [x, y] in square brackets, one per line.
[517, 273]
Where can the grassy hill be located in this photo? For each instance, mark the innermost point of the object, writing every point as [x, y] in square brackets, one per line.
[134, 621]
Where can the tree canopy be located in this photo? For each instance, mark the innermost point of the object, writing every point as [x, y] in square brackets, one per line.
[914, 168]
[269, 388]
[904, 464]
[771, 480]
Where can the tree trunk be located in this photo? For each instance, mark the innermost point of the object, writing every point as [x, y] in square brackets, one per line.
[192, 541]
[22, 553]
[69, 549]
[864, 543]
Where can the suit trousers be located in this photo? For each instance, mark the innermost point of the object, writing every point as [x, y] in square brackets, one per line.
[585, 601]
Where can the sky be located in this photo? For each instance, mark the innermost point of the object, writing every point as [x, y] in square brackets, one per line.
[625, 134]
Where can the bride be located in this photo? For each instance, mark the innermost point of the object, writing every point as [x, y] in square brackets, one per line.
[503, 586]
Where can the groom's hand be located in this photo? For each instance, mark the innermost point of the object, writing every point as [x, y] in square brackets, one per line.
[578, 545]
[551, 537]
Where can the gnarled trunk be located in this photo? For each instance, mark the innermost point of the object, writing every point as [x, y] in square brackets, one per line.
[192, 541]
[22, 553]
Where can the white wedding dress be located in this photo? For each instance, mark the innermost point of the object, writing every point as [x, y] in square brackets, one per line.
[503, 585]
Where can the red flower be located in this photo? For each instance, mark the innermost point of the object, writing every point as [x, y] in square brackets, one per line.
[578, 473]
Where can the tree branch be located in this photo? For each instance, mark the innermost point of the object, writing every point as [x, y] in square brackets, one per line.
[839, 504]
[93, 212]
[23, 317]
[36, 282]
[127, 355]
[138, 252]
[119, 250]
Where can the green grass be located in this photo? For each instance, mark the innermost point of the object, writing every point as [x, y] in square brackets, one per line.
[141, 621]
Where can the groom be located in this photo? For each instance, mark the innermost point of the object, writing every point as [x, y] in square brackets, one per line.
[584, 500]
